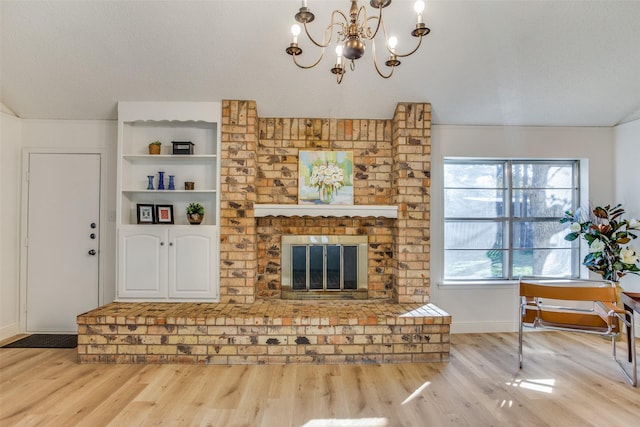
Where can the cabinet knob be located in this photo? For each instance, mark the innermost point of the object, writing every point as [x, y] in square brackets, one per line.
[92, 252]
[171, 244]
[161, 243]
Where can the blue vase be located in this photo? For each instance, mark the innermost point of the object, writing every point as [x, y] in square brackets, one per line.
[160, 180]
[150, 185]
[172, 185]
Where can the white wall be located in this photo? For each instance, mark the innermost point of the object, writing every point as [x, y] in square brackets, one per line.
[17, 136]
[627, 182]
[627, 185]
[474, 308]
[493, 308]
[90, 135]
[10, 152]
[77, 135]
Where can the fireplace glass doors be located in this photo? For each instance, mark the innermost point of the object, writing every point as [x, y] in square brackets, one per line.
[329, 267]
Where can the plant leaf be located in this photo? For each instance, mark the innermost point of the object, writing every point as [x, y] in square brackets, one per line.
[600, 212]
[571, 237]
[616, 211]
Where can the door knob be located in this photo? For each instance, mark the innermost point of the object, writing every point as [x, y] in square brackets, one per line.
[93, 225]
[92, 252]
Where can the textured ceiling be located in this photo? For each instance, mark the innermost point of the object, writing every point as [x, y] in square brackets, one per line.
[574, 63]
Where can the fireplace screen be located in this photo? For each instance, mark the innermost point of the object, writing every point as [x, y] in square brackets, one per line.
[328, 267]
[320, 265]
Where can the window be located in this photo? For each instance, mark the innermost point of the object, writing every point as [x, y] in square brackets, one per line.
[486, 237]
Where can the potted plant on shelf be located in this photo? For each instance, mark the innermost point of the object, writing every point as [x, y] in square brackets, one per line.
[195, 213]
[154, 147]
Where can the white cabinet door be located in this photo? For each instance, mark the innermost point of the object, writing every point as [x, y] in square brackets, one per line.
[193, 262]
[142, 262]
[177, 263]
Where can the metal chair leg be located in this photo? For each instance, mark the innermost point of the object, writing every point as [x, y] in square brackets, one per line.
[520, 336]
[632, 376]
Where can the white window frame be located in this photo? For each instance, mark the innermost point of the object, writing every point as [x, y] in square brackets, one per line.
[508, 217]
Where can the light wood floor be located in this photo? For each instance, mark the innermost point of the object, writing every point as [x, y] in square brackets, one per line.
[567, 380]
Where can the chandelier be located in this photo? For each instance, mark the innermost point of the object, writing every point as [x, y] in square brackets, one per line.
[350, 34]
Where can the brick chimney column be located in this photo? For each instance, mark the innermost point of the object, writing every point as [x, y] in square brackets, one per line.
[238, 240]
[411, 173]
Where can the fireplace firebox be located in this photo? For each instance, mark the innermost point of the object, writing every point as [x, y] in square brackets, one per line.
[324, 267]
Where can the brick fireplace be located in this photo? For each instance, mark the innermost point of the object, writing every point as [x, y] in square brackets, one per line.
[251, 323]
[260, 166]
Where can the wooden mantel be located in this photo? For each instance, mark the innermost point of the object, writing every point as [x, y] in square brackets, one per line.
[288, 210]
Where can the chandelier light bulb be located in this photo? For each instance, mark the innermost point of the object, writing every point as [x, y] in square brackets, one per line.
[393, 42]
[295, 31]
[419, 8]
[339, 54]
[393, 59]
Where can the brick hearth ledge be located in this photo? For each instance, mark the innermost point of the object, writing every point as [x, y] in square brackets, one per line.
[265, 332]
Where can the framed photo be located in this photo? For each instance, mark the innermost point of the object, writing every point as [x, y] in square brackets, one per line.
[164, 214]
[146, 214]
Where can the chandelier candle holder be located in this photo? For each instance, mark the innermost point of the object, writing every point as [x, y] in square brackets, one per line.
[350, 34]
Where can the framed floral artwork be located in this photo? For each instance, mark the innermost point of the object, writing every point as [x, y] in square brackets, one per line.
[325, 177]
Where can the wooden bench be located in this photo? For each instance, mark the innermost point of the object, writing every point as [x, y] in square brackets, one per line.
[560, 305]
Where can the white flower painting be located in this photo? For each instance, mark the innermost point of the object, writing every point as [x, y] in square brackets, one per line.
[325, 177]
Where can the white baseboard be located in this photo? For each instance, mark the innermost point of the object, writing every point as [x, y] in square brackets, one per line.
[9, 331]
[489, 327]
[482, 327]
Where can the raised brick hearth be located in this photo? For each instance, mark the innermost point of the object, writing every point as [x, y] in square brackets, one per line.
[265, 332]
[250, 324]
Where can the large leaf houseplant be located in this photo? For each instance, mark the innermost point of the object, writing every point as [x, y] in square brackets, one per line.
[609, 237]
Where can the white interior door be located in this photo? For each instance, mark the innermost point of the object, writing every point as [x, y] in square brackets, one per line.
[62, 239]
